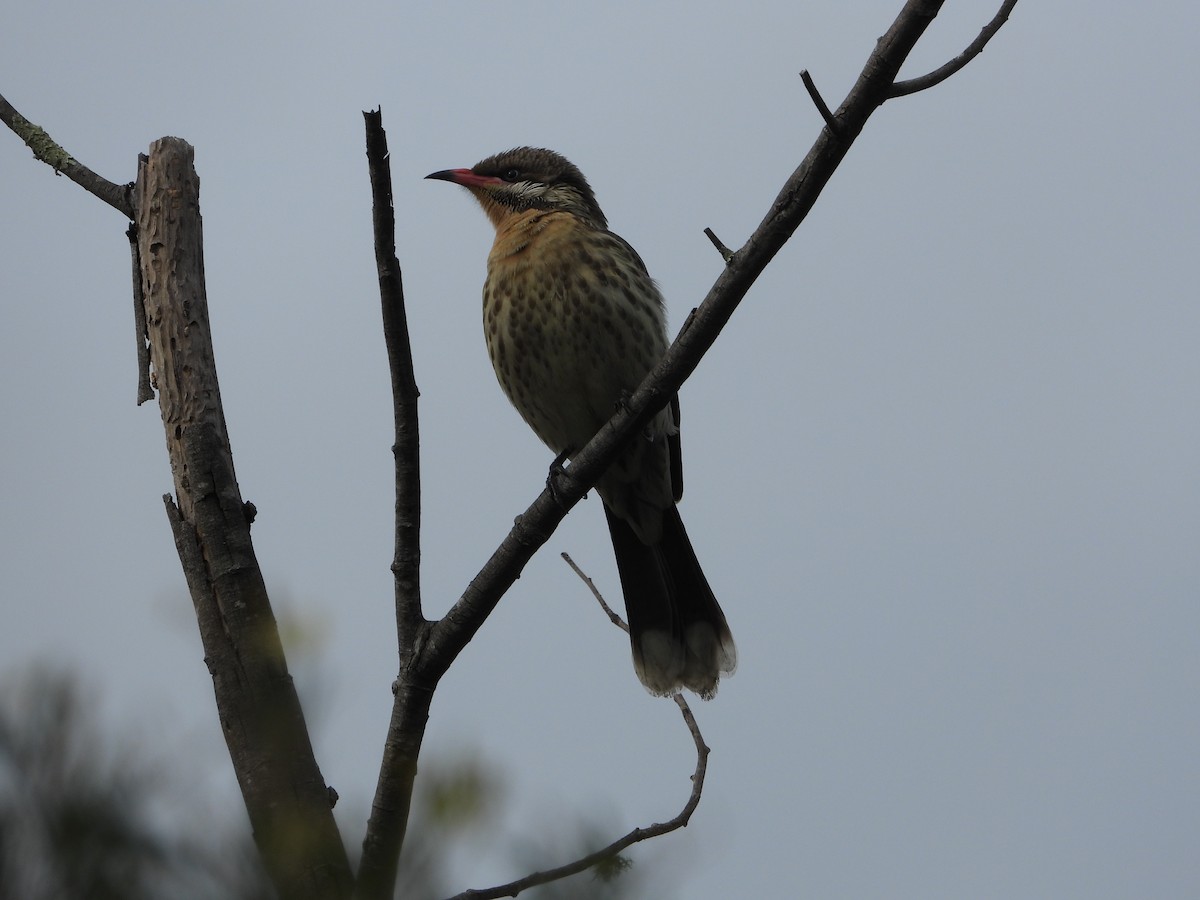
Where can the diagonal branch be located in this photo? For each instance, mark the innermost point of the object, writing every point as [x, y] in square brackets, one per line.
[613, 615]
[819, 101]
[45, 149]
[534, 527]
[288, 801]
[446, 638]
[937, 76]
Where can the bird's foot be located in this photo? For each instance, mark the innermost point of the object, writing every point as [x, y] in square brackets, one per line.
[556, 472]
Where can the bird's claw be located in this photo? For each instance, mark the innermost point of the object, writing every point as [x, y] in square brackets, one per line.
[556, 472]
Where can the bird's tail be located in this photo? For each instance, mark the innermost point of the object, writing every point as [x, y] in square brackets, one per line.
[679, 634]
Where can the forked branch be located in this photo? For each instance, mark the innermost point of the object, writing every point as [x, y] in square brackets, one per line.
[940, 74]
[269, 745]
[448, 636]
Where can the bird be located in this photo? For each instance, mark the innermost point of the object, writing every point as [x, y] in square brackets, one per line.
[573, 323]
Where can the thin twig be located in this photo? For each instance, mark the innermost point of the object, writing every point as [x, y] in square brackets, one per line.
[635, 836]
[937, 76]
[406, 560]
[830, 122]
[413, 691]
[48, 151]
[591, 585]
[513, 888]
[726, 253]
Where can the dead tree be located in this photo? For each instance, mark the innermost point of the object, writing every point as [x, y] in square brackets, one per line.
[289, 804]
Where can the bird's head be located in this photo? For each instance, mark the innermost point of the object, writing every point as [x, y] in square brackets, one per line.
[527, 178]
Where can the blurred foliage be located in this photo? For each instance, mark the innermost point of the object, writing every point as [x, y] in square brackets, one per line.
[85, 815]
[456, 806]
[615, 878]
[82, 818]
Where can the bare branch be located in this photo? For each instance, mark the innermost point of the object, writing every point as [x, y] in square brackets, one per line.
[406, 563]
[412, 692]
[290, 806]
[912, 85]
[533, 528]
[513, 888]
[286, 797]
[612, 614]
[45, 149]
[819, 101]
[726, 253]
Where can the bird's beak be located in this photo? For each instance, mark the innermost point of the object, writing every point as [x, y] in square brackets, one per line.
[465, 177]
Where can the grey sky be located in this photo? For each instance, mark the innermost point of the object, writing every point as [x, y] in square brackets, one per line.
[941, 467]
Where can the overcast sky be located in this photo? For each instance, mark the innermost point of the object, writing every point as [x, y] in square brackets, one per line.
[942, 466]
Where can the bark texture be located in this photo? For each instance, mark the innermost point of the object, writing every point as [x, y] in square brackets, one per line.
[289, 804]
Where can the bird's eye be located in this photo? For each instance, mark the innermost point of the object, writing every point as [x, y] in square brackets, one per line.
[511, 175]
